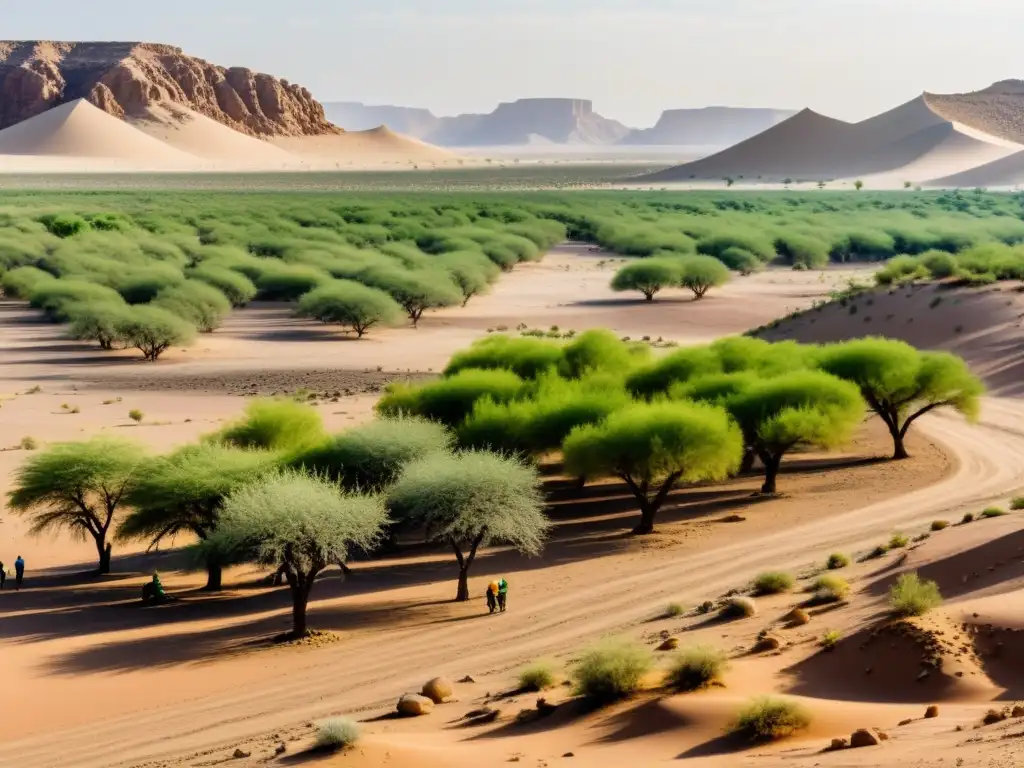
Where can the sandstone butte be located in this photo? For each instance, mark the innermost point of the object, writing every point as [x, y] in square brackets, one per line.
[128, 79]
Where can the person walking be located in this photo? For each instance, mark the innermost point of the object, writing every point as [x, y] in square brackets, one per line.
[3, 574]
[492, 596]
[19, 572]
[502, 594]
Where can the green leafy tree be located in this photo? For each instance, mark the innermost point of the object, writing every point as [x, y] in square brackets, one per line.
[450, 400]
[648, 276]
[351, 305]
[526, 357]
[202, 305]
[600, 350]
[153, 330]
[469, 500]
[802, 409]
[184, 491]
[651, 447]
[702, 273]
[901, 383]
[298, 524]
[677, 367]
[274, 425]
[415, 290]
[79, 487]
[102, 322]
[239, 289]
[859, 185]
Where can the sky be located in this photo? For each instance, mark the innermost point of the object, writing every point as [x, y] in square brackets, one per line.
[632, 58]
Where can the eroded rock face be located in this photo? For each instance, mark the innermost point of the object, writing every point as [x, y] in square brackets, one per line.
[128, 78]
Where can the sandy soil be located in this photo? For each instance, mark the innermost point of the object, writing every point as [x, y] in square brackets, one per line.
[188, 683]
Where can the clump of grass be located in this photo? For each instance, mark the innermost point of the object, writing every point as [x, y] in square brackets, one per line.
[830, 639]
[28, 443]
[940, 525]
[539, 676]
[994, 512]
[739, 608]
[696, 668]
[836, 561]
[830, 589]
[910, 596]
[968, 518]
[34, 391]
[610, 671]
[880, 551]
[70, 408]
[112, 402]
[898, 541]
[337, 733]
[136, 415]
[773, 583]
[1017, 503]
[767, 718]
[672, 610]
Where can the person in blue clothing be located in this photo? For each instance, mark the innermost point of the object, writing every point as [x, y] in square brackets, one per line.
[19, 572]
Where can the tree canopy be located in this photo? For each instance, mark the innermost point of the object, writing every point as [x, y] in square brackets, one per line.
[450, 400]
[901, 383]
[469, 500]
[352, 305]
[274, 425]
[648, 276]
[702, 273]
[651, 447]
[79, 487]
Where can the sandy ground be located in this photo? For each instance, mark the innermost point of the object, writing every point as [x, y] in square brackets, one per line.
[188, 683]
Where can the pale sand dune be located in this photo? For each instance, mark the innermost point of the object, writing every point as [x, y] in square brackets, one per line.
[202, 137]
[78, 130]
[376, 147]
[1004, 172]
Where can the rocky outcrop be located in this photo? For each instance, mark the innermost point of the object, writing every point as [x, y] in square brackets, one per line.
[997, 110]
[710, 126]
[125, 79]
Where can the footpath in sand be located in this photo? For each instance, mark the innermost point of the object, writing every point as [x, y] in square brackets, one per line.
[184, 686]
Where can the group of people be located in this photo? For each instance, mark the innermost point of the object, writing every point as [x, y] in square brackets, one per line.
[19, 573]
[497, 595]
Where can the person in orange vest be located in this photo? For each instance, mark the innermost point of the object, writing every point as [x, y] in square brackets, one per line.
[492, 596]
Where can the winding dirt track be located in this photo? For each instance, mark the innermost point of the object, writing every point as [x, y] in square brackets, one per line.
[354, 675]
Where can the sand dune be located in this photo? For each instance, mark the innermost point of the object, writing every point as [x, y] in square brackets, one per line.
[80, 130]
[1007, 171]
[375, 147]
[911, 141]
[198, 135]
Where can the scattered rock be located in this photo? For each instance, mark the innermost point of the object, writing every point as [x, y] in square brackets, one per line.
[901, 723]
[438, 689]
[241, 753]
[483, 716]
[669, 645]
[992, 716]
[568, 754]
[545, 708]
[281, 748]
[413, 705]
[467, 679]
[932, 711]
[882, 735]
[838, 744]
[864, 738]
[798, 617]
[476, 713]
[769, 643]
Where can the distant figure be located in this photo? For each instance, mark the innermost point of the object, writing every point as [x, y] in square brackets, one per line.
[19, 572]
[3, 574]
[502, 594]
[492, 596]
[153, 592]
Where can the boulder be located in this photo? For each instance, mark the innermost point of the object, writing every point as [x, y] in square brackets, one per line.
[769, 643]
[863, 738]
[1017, 711]
[438, 690]
[838, 744]
[932, 711]
[413, 705]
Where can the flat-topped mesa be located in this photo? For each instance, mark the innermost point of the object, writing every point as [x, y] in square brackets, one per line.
[127, 79]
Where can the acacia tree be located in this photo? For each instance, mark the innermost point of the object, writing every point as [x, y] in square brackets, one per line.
[350, 305]
[651, 447]
[469, 500]
[299, 524]
[153, 330]
[702, 273]
[901, 383]
[648, 275]
[79, 487]
[184, 492]
[805, 408]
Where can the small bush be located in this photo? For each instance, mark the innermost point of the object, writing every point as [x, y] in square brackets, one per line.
[968, 518]
[354, 306]
[831, 639]
[837, 560]
[830, 589]
[739, 608]
[696, 668]
[136, 415]
[337, 733]
[273, 425]
[611, 671]
[898, 541]
[1017, 503]
[767, 718]
[773, 583]
[940, 525]
[673, 610]
[880, 551]
[994, 512]
[153, 330]
[28, 443]
[910, 596]
[539, 676]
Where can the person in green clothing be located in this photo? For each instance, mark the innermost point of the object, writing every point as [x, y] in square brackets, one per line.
[153, 592]
[502, 594]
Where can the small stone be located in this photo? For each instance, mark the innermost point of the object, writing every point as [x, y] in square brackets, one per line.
[568, 754]
[863, 738]
[413, 705]
[799, 617]
[932, 711]
[241, 753]
[901, 723]
[438, 689]
[669, 645]
[882, 735]
[467, 679]
[280, 749]
[838, 744]
[1017, 711]
[769, 643]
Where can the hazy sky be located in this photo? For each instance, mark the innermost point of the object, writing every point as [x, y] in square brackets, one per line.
[633, 58]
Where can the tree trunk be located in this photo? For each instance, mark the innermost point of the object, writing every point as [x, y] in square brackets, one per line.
[300, 597]
[649, 296]
[899, 450]
[647, 514]
[214, 574]
[462, 596]
[771, 471]
[104, 552]
[465, 561]
[748, 460]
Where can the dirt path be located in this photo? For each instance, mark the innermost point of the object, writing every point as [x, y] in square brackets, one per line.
[372, 671]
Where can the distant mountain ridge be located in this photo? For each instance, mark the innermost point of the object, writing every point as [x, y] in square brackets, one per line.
[558, 121]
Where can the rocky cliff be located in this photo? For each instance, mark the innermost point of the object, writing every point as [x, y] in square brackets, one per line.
[126, 79]
[710, 126]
